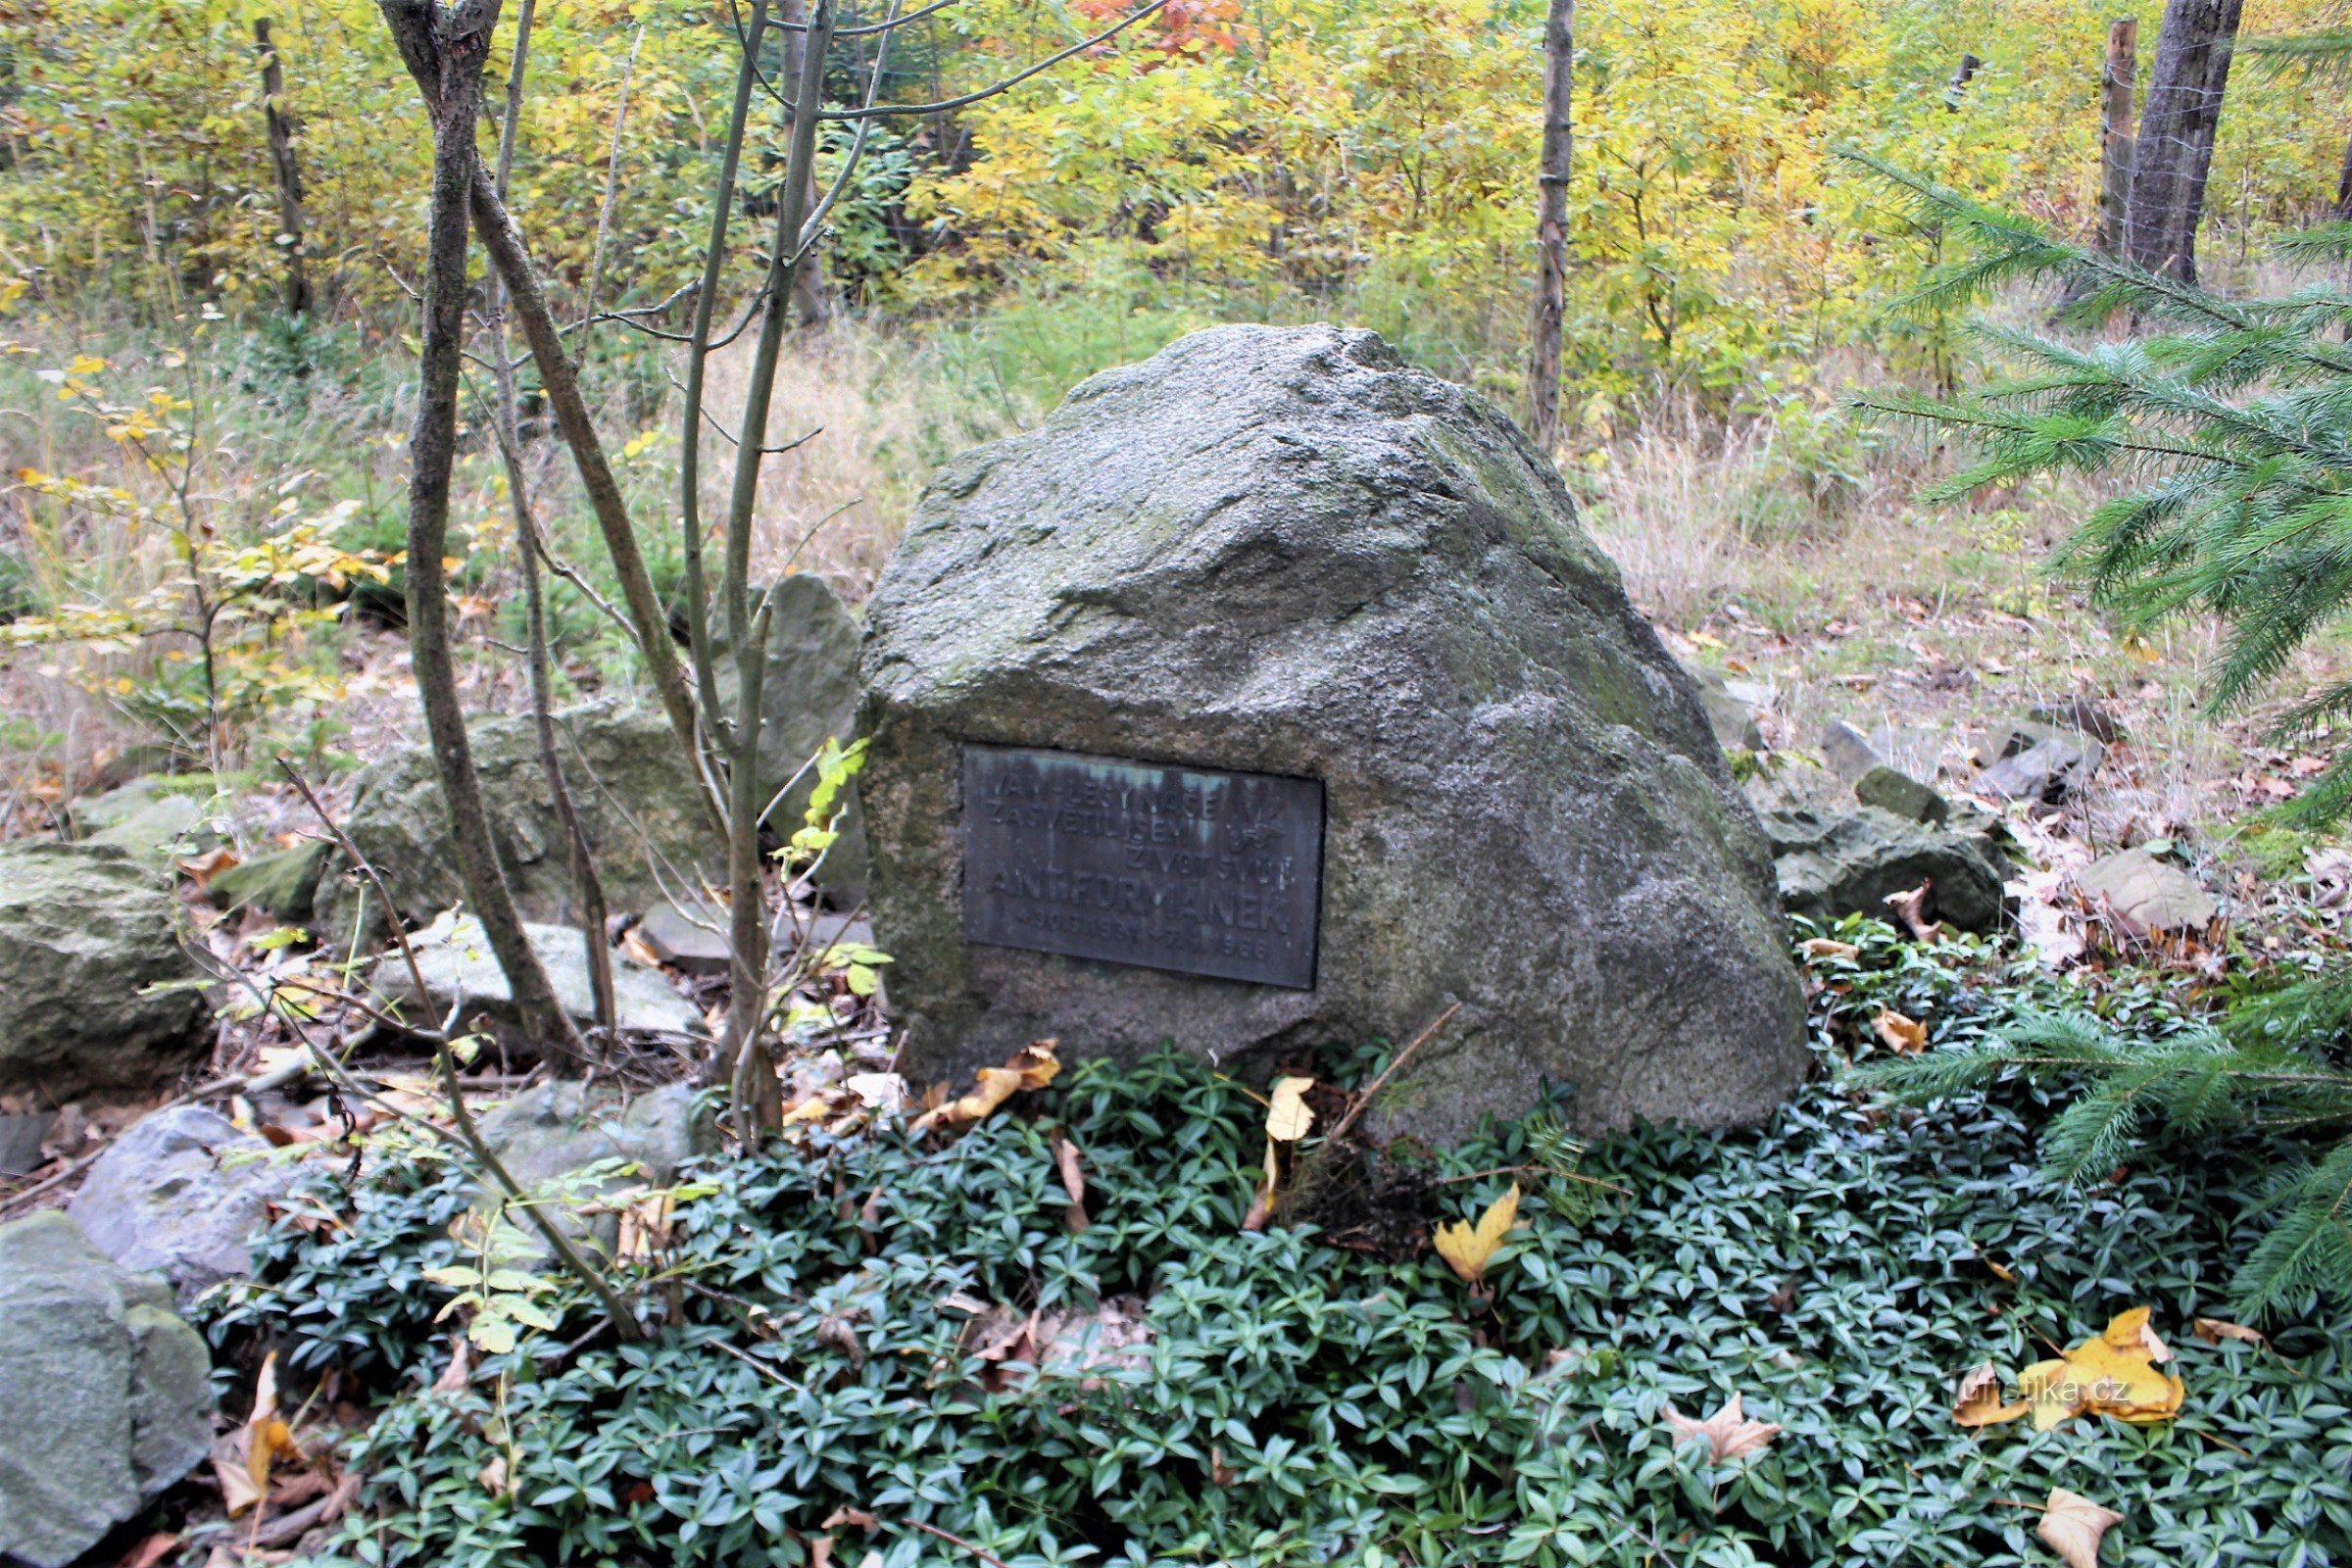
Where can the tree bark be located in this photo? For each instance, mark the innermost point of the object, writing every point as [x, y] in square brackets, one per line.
[282, 129]
[813, 303]
[2117, 88]
[2175, 149]
[1551, 228]
[446, 49]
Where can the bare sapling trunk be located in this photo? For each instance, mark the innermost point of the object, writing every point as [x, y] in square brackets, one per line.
[281, 130]
[2174, 151]
[447, 49]
[2118, 86]
[588, 888]
[742, 1051]
[1552, 228]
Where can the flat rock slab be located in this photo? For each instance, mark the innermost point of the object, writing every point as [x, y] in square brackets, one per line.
[1282, 554]
[84, 932]
[548, 1135]
[693, 940]
[107, 1392]
[457, 959]
[2146, 893]
[181, 1194]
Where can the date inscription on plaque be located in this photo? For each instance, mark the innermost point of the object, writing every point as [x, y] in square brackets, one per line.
[1193, 869]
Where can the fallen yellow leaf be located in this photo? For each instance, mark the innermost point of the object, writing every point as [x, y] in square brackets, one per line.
[1905, 1036]
[2129, 1331]
[1287, 1117]
[2050, 1392]
[1469, 1248]
[2073, 1526]
[2112, 1374]
[1978, 1403]
[1033, 1067]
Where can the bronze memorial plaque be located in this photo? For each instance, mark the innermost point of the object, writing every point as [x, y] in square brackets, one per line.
[1188, 868]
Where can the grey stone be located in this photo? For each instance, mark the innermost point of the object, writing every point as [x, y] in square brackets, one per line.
[1730, 717]
[2146, 893]
[2029, 761]
[1902, 794]
[640, 806]
[182, 1194]
[2085, 715]
[552, 1130]
[1848, 751]
[807, 696]
[107, 1391]
[691, 941]
[1835, 864]
[83, 931]
[456, 958]
[1281, 551]
[147, 819]
[283, 885]
[20, 1139]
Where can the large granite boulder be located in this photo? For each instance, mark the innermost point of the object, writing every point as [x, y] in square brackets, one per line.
[635, 795]
[1283, 551]
[108, 1393]
[1834, 864]
[181, 1194]
[807, 696]
[84, 931]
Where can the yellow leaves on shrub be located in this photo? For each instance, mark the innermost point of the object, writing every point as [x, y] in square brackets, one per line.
[2114, 1374]
[1033, 1067]
[2073, 1526]
[1729, 1434]
[1469, 1248]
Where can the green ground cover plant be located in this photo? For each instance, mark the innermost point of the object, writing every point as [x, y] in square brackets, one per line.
[1299, 1402]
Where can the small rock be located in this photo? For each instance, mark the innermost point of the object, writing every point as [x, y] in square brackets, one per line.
[1832, 866]
[1848, 751]
[282, 886]
[1902, 794]
[182, 1194]
[456, 958]
[84, 932]
[560, 1127]
[2146, 893]
[108, 1393]
[147, 819]
[2085, 715]
[1731, 716]
[2025, 761]
[693, 942]
[21, 1140]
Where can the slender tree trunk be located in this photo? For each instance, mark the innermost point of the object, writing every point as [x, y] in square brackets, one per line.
[447, 49]
[587, 887]
[2343, 188]
[812, 302]
[1551, 228]
[2118, 89]
[282, 129]
[2175, 148]
[741, 1051]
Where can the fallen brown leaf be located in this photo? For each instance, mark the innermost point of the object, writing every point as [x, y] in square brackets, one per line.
[147, 1554]
[1287, 1117]
[1730, 1434]
[1033, 1067]
[1905, 1036]
[1073, 1181]
[201, 868]
[2214, 1330]
[1911, 909]
[1977, 1401]
[2073, 1526]
[1825, 947]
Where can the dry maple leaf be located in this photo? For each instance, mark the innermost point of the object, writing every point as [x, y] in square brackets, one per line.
[2214, 1330]
[1977, 1401]
[1905, 1036]
[2129, 1331]
[1288, 1116]
[2112, 1374]
[1911, 909]
[1033, 1067]
[1469, 1248]
[1730, 1434]
[2073, 1526]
